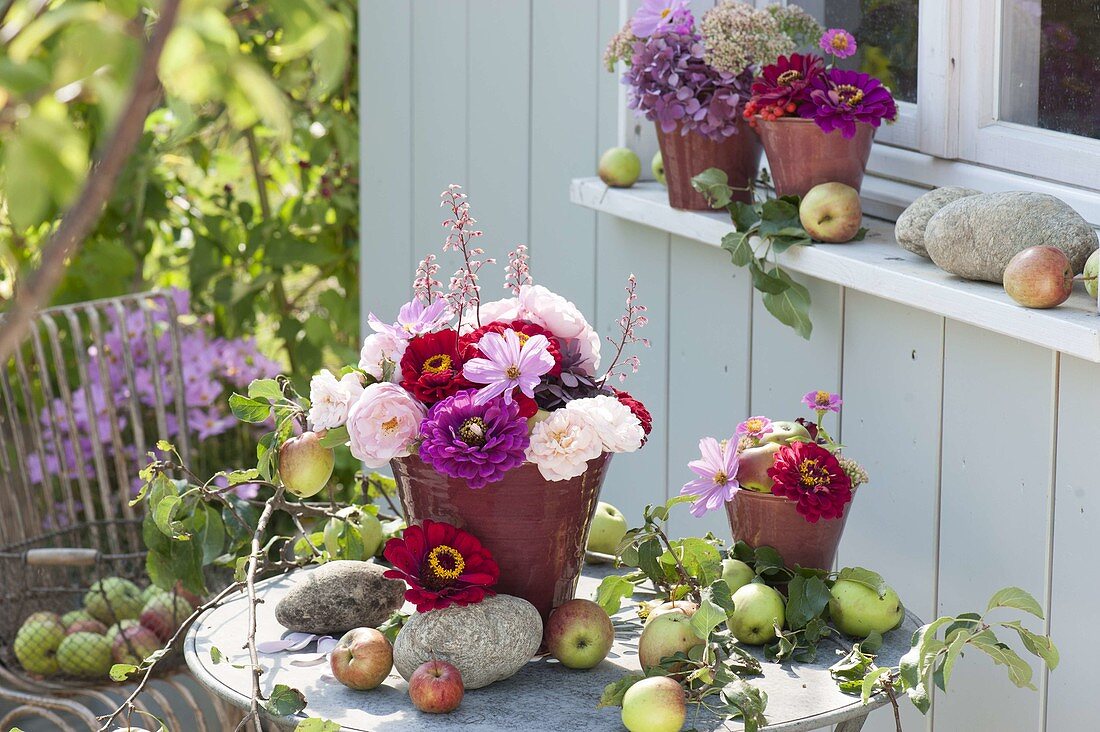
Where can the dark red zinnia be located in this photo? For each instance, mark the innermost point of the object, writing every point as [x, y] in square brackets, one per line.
[811, 475]
[431, 368]
[442, 565]
[467, 344]
[786, 81]
[638, 410]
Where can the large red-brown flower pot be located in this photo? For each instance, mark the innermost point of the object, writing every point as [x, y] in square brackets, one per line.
[536, 529]
[801, 155]
[685, 156]
[764, 519]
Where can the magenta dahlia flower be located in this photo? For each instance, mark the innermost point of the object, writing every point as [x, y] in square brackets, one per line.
[811, 476]
[787, 80]
[841, 98]
[838, 42]
[476, 442]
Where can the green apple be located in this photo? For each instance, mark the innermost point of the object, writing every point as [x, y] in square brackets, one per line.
[831, 212]
[370, 528]
[305, 465]
[608, 529]
[1092, 270]
[655, 704]
[620, 167]
[658, 168]
[785, 432]
[736, 573]
[757, 609]
[753, 465]
[858, 611]
[579, 634]
[113, 599]
[685, 607]
[665, 636]
[75, 616]
[87, 655]
[37, 641]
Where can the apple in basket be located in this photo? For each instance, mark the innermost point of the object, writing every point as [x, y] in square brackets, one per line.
[134, 644]
[436, 687]
[37, 641]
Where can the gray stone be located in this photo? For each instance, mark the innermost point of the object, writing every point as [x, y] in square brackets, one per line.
[909, 229]
[976, 236]
[486, 642]
[339, 596]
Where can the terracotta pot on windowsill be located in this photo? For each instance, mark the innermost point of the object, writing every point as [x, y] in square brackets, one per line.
[764, 519]
[685, 156]
[801, 155]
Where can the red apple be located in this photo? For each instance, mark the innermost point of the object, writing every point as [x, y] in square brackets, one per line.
[579, 634]
[133, 644]
[436, 687]
[362, 659]
[1039, 277]
[186, 594]
[86, 626]
[686, 607]
[753, 465]
[164, 614]
[305, 465]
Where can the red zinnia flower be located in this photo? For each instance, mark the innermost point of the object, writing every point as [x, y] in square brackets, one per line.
[442, 565]
[639, 411]
[786, 81]
[467, 344]
[811, 475]
[431, 368]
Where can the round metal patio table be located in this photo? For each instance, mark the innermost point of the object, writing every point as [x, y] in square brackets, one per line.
[543, 696]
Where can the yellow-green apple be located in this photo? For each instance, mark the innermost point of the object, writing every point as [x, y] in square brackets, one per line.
[620, 167]
[113, 599]
[1092, 271]
[784, 432]
[74, 616]
[658, 168]
[305, 465]
[579, 634]
[665, 636]
[164, 614]
[1039, 277]
[684, 607]
[362, 659]
[655, 704]
[858, 611]
[831, 212]
[37, 641]
[757, 609]
[608, 529]
[753, 465]
[133, 644]
[87, 655]
[90, 625]
[436, 687]
[736, 573]
[370, 529]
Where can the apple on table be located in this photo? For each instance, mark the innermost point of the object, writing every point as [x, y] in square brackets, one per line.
[436, 687]
[655, 704]
[579, 634]
[757, 610]
[831, 213]
[607, 531]
[362, 659]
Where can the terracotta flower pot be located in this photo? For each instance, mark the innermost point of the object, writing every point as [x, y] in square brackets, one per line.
[685, 156]
[764, 519]
[536, 529]
[800, 155]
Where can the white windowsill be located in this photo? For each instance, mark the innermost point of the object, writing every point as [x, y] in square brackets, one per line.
[876, 266]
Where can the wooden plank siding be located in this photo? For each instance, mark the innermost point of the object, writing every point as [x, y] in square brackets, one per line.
[982, 468]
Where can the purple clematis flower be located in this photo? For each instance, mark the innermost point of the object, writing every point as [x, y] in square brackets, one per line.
[823, 401]
[838, 42]
[415, 318]
[509, 363]
[656, 14]
[717, 473]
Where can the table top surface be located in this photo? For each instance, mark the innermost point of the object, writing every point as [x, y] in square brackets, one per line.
[544, 695]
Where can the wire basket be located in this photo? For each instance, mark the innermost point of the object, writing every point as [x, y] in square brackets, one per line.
[70, 609]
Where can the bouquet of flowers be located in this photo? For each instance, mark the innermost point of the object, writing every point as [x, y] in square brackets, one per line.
[478, 389]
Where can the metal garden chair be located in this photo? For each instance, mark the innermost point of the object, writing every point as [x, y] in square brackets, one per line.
[90, 393]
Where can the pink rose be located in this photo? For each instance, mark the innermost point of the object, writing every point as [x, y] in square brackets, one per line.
[383, 423]
[564, 320]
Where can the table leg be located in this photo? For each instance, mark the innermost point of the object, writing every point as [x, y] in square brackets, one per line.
[852, 725]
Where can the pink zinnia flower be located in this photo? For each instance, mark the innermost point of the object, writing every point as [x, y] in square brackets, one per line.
[717, 473]
[415, 318]
[510, 363]
[755, 427]
[655, 14]
[823, 401]
[838, 42]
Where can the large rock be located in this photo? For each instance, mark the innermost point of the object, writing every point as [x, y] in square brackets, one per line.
[909, 229]
[339, 596]
[487, 642]
[975, 237]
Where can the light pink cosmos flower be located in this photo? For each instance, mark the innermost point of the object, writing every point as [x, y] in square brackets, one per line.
[717, 473]
[415, 318]
[653, 14]
[823, 401]
[509, 363]
[755, 427]
[838, 42]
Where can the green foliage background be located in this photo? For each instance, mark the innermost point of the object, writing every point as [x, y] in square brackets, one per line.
[244, 186]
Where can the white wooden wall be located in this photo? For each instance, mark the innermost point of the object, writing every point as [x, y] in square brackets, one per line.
[981, 448]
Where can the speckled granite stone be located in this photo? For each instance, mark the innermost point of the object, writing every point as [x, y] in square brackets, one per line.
[339, 596]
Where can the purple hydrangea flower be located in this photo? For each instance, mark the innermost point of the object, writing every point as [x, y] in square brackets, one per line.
[476, 442]
[840, 98]
[672, 84]
[838, 42]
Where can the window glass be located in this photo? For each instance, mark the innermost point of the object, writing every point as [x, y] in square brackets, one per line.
[1050, 60]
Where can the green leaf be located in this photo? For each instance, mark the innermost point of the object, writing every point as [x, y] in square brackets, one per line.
[237, 477]
[1019, 672]
[612, 590]
[869, 682]
[806, 600]
[393, 625]
[249, 410]
[767, 560]
[285, 701]
[749, 700]
[745, 216]
[313, 724]
[767, 282]
[954, 650]
[792, 306]
[713, 183]
[1038, 645]
[612, 695]
[335, 437]
[779, 209]
[866, 577]
[1017, 598]
[163, 516]
[737, 244]
[262, 389]
[122, 671]
[708, 617]
[649, 551]
[216, 655]
[701, 560]
[872, 643]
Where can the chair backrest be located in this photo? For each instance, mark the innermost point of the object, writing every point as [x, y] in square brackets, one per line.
[92, 390]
